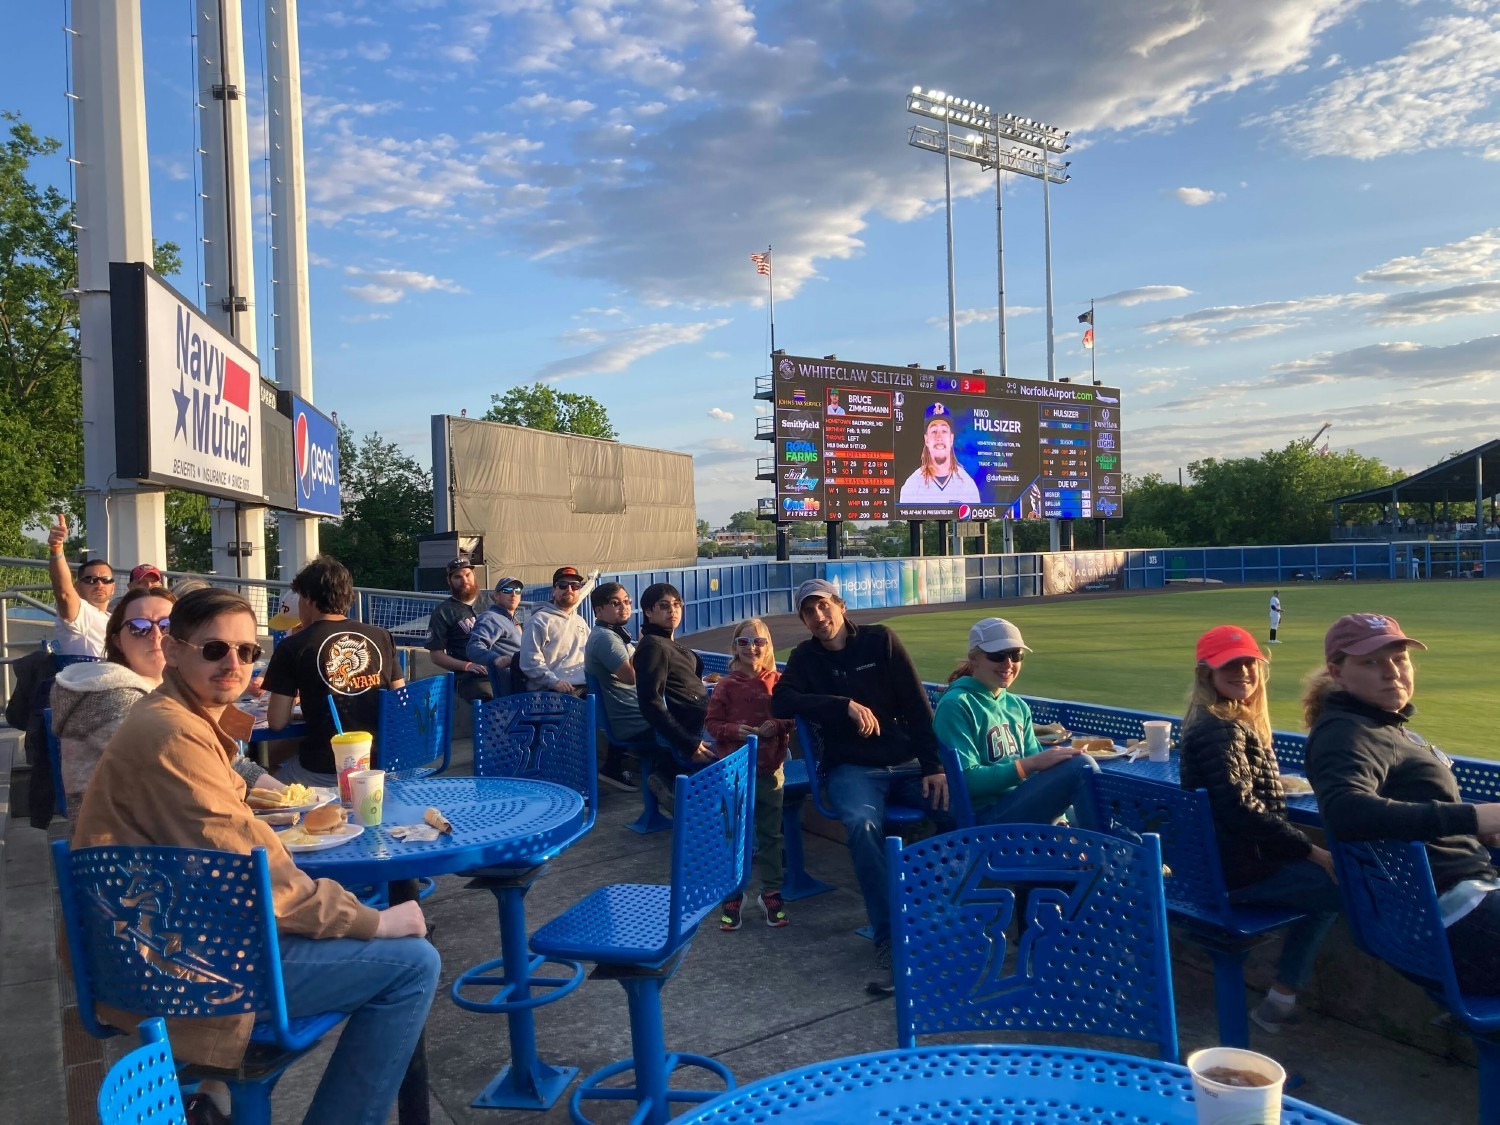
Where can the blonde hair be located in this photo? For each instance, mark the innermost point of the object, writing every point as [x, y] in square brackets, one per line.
[1254, 712]
[765, 660]
[1317, 685]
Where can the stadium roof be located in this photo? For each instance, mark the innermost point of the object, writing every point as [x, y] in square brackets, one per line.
[1460, 478]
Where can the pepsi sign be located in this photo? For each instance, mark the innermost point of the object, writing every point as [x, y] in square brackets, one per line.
[315, 460]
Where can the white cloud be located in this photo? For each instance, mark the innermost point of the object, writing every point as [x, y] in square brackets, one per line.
[548, 107]
[965, 317]
[715, 355]
[1196, 336]
[1438, 93]
[1143, 294]
[373, 52]
[1468, 259]
[1197, 196]
[1409, 364]
[616, 351]
[1297, 307]
[365, 318]
[720, 415]
[1428, 305]
[386, 287]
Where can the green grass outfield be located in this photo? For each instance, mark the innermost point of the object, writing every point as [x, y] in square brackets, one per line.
[1138, 651]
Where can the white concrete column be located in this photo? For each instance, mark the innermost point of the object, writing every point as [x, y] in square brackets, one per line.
[126, 523]
[290, 292]
[228, 246]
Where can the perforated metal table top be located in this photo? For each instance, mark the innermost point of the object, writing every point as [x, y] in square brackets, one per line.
[1301, 808]
[496, 822]
[1010, 1083]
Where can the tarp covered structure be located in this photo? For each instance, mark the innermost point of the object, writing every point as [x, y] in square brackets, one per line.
[543, 500]
[1469, 478]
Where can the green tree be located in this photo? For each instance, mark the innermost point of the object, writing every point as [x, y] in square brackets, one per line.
[704, 530]
[541, 407]
[387, 502]
[749, 521]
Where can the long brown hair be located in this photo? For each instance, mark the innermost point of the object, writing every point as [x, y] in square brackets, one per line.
[964, 667]
[766, 660]
[1254, 712]
[1317, 685]
[118, 616]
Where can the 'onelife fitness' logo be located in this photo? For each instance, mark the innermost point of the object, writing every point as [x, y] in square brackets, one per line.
[315, 463]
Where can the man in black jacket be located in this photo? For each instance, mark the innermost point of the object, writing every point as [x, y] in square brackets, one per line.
[860, 688]
[669, 687]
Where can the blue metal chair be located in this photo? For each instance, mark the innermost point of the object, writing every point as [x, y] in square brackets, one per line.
[185, 933]
[1392, 908]
[960, 808]
[719, 662]
[638, 934]
[1092, 957]
[54, 761]
[796, 787]
[415, 728]
[62, 660]
[141, 1089]
[546, 736]
[1197, 897]
[651, 819]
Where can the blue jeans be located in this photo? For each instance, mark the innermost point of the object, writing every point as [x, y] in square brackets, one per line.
[1301, 885]
[1474, 941]
[858, 796]
[386, 985]
[1045, 796]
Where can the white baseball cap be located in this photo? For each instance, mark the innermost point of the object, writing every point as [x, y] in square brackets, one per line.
[995, 634]
[287, 616]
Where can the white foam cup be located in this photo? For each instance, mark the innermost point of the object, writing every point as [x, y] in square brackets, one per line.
[1158, 739]
[367, 788]
[1219, 1104]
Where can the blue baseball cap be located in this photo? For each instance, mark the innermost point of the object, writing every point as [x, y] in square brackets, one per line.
[937, 412]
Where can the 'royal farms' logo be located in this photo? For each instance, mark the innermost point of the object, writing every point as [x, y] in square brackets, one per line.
[204, 417]
[796, 451]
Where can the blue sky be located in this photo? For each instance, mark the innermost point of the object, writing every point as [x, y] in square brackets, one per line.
[1285, 210]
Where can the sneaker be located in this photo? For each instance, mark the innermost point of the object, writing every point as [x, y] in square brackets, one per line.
[665, 800]
[729, 913]
[1272, 1016]
[882, 980]
[200, 1110]
[775, 909]
[620, 778]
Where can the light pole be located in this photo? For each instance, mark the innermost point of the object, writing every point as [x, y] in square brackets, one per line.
[983, 147]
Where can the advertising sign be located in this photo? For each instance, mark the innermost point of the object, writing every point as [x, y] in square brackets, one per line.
[869, 442]
[186, 396]
[1083, 571]
[315, 448]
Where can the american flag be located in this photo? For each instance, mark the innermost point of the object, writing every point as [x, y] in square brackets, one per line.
[762, 263]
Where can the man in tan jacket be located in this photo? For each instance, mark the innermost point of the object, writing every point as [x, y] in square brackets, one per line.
[165, 779]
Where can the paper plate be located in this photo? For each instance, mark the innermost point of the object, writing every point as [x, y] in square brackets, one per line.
[1294, 786]
[332, 840]
[321, 796]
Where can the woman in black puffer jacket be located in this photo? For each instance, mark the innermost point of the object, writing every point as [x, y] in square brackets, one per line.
[1226, 750]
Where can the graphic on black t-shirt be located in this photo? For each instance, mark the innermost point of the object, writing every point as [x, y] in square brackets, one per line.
[349, 664]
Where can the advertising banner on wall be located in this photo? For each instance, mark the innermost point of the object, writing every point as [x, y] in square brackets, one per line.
[186, 395]
[1083, 572]
[315, 457]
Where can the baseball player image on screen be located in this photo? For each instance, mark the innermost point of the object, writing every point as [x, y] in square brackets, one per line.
[940, 479]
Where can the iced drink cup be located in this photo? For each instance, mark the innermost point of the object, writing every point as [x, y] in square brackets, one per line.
[367, 787]
[1158, 739]
[351, 751]
[1235, 1087]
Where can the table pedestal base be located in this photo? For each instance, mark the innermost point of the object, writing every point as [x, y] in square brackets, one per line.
[536, 1087]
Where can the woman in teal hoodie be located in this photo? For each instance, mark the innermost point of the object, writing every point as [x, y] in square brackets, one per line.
[1009, 777]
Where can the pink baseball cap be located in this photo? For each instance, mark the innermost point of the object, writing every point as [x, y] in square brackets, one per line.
[1357, 634]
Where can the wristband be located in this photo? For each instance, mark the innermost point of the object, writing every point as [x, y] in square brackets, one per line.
[1020, 769]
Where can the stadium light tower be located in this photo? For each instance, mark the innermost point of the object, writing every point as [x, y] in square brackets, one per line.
[1032, 145]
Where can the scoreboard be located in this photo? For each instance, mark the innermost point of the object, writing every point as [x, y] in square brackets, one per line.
[867, 442]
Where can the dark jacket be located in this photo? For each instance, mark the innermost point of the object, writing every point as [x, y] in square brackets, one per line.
[874, 669]
[669, 686]
[1228, 759]
[1375, 780]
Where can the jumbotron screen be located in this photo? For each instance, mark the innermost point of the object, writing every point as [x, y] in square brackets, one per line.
[860, 441]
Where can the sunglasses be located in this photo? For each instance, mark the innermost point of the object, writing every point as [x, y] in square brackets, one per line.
[512, 588]
[142, 626]
[98, 580]
[619, 603]
[751, 642]
[217, 650]
[567, 585]
[1014, 655]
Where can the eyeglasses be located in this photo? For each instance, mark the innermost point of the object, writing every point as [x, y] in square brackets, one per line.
[511, 588]
[751, 642]
[1014, 655]
[142, 626]
[666, 603]
[98, 580]
[567, 585]
[214, 651]
[619, 603]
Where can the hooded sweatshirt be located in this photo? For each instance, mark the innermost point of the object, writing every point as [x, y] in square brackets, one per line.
[552, 645]
[989, 732]
[89, 702]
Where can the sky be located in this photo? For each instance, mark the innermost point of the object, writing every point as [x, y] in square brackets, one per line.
[1287, 212]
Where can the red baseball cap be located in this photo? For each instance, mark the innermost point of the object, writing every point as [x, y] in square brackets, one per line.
[1358, 634]
[145, 572]
[1224, 643]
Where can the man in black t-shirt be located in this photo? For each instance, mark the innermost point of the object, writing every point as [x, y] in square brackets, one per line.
[448, 632]
[329, 659]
